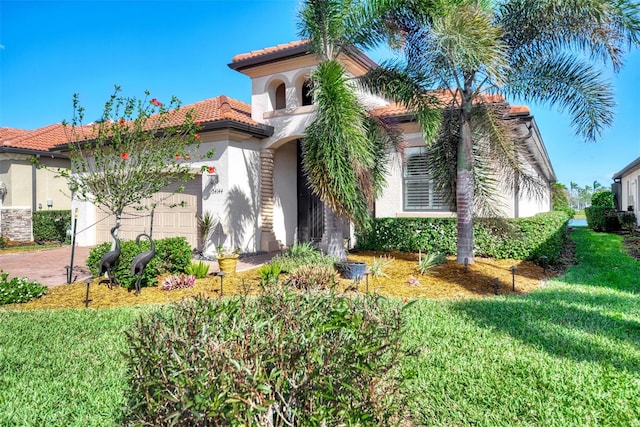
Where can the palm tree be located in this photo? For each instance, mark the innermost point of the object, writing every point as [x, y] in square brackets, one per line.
[344, 150]
[481, 51]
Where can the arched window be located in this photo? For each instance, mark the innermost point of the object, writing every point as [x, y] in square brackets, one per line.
[280, 97]
[307, 97]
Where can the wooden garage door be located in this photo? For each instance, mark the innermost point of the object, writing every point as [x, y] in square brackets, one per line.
[175, 215]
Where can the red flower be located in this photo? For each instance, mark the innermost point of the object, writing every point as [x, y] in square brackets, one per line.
[177, 156]
[196, 136]
[155, 102]
[187, 157]
[211, 169]
[125, 156]
[122, 122]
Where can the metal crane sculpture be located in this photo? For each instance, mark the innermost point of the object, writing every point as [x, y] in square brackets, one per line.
[109, 259]
[139, 264]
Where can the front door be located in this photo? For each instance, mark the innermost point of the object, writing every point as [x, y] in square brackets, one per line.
[310, 207]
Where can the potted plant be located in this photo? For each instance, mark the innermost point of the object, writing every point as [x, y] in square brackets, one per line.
[227, 259]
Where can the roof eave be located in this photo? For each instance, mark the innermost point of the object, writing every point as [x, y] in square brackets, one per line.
[256, 61]
[32, 152]
[631, 166]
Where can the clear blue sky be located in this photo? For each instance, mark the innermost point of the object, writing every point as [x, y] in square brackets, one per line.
[50, 50]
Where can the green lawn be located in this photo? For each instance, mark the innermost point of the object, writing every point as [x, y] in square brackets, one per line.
[566, 355]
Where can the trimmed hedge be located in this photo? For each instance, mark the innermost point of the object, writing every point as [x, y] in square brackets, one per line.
[173, 255]
[519, 238]
[51, 226]
[600, 218]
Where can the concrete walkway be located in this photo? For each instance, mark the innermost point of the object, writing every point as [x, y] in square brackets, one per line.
[49, 266]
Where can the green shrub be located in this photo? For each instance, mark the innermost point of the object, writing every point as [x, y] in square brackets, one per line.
[172, 256]
[313, 277]
[49, 226]
[269, 274]
[198, 269]
[601, 218]
[427, 262]
[280, 358]
[603, 199]
[628, 220]
[302, 254]
[379, 265]
[518, 238]
[18, 289]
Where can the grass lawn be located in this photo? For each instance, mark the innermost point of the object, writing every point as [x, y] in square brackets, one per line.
[566, 355]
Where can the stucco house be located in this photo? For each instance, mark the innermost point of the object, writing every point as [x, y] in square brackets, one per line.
[259, 194]
[626, 187]
[25, 186]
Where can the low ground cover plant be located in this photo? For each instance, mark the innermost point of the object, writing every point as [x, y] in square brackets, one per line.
[198, 269]
[18, 289]
[279, 359]
[300, 254]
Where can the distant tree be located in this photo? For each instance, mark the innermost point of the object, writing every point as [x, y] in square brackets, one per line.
[559, 196]
[137, 148]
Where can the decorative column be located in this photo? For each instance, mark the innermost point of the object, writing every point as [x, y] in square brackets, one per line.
[268, 241]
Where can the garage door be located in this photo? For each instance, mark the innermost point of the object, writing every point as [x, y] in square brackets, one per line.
[176, 214]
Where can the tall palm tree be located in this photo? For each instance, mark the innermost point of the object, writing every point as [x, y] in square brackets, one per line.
[344, 150]
[482, 51]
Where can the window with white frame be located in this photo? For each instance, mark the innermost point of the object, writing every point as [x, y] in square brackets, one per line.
[419, 190]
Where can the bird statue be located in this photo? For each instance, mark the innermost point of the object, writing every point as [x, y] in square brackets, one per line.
[139, 263]
[109, 259]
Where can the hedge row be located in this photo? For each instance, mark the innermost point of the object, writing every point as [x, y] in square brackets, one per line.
[520, 238]
[49, 226]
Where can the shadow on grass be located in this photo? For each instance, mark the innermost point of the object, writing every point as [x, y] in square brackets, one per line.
[590, 314]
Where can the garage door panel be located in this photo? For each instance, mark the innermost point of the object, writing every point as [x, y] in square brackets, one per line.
[174, 215]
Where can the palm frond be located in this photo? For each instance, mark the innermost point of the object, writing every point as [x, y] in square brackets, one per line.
[570, 84]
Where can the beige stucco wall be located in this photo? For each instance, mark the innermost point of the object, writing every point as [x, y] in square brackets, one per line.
[285, 207]
[631, 191]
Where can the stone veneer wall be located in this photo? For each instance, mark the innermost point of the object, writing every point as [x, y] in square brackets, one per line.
[16, 224]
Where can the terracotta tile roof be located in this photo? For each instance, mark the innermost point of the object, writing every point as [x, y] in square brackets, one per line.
[207, 111]
[268, 50]
[41, 139]
[220, 108]
[9, 133]
[444, 98]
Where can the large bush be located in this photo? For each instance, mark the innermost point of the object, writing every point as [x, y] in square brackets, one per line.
[602, 218]
[173, 255]
[604, 199]
[51, 226]
[520, 238]
[278, 359]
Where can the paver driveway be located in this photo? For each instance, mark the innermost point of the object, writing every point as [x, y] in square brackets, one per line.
[47, 266]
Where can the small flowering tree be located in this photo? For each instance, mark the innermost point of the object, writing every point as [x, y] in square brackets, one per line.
[137, 148]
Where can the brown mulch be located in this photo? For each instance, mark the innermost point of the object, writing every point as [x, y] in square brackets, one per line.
[448, 280]
[631, 243]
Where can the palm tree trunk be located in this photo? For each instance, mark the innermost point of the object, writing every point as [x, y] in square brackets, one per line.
[464, 185]
[332, 237]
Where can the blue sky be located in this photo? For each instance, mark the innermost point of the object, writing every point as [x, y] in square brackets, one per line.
[50, 50]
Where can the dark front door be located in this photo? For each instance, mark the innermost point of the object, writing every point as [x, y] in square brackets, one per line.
[310, 208]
